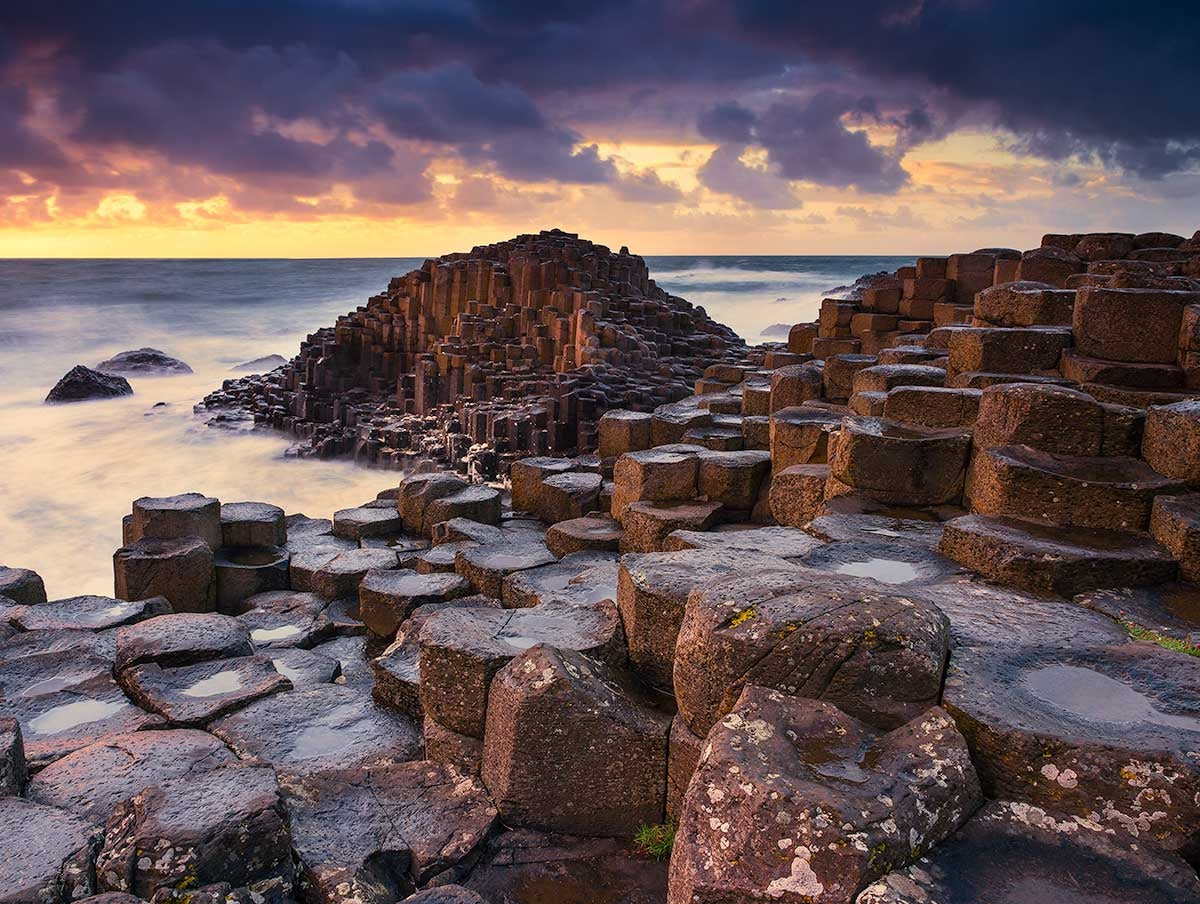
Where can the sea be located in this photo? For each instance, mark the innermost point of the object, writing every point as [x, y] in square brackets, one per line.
[68, 473]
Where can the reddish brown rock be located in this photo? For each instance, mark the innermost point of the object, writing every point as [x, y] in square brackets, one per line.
[386, 598]
[252, 524]
[932, 406]
[648, 524]
[578, 534]
[653, 475]
[795, 801]
[902, 465]
[1175, 523]
[800, 436]
[1134, 325]
[797, 493]
[794, 385]
[1172, 440]
[1048, 418]
[1049, 265]
[181, 570]
[560, 713]
[876, 654]
[1050, 559]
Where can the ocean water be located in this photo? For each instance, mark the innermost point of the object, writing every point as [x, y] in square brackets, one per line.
[69, 472]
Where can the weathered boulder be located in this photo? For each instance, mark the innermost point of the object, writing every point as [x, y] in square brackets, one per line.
[417, 492]
[91, 781]
[373, 835]
[227, 824]
[477, 502]
[1048, 265]
[22, 586]
[143, 362]
[732, 478]
[1008, 350]
[47, 854]
[794, 385]
[932, 406]
[80, 384]
[561, 713]
[795, 801]
[873, 652]
[181, 570]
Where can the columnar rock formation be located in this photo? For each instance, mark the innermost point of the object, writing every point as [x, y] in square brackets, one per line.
[886, 628]
[520, 345]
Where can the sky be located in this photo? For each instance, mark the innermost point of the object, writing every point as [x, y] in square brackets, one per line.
[365, 128]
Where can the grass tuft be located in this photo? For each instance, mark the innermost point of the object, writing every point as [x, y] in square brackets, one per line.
[1137, 632]
[655, 840]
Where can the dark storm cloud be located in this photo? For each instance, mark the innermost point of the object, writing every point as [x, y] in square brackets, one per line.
[218, 85]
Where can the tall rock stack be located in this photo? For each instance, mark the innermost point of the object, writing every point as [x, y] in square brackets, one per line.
[520, 345]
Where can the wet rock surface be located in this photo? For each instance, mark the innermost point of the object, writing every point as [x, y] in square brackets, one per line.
[85, 613]
[48, 853]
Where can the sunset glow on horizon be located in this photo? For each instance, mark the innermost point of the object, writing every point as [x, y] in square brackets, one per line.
[410, 129]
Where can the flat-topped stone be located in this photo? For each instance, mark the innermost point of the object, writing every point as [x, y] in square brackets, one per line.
[899, 464]
[179, 569]
[1111, 492]
[91, 781]
[1012, 849]
[487, 565]
[325, 727]
[286, 618]
[384, 829]
[462, 649]
[797, 493]
[181, 639]
[192, 695]
[388, 597]
[88, 613]
[1172, 440]
[243, 571]
[368, 521]
[1050, 418]
[885, 560]
[66, 700]
[1168, 610]
[1025, 303]
[579, 579]
[1050, 559]
[1102, 733]
[252, 524]
[224, 825]
[526, 476]
[595, 532]
[333, 574]
[648, 524]
[174, 517]
[800, 436]
[47, 853]
[785, 542]
[477, 502]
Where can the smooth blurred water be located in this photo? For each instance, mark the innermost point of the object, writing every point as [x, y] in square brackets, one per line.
[69, 472]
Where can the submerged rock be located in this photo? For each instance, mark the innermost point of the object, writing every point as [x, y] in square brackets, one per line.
[261, 365]
[147, 362]
[81, 383]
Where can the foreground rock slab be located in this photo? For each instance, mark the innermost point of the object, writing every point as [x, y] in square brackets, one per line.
[374, 835]
[1017, 852]
[325, 727]
[227, 825]
[47, 854]
[794, 801]
[1106, 734]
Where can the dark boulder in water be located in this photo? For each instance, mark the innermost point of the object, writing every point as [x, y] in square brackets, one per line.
[261, 365]
[82, 383]
[148, 362]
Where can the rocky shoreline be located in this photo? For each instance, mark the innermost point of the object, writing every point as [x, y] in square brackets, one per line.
[901, 613]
